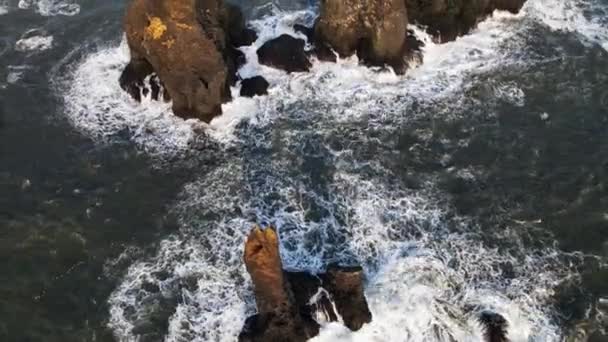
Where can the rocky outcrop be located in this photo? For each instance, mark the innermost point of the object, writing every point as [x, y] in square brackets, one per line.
[375, 30]
[291, 304]
[284, 52]
[189, 45]
[448, 19]
[278, 318]
[345, 284]
[254, 86]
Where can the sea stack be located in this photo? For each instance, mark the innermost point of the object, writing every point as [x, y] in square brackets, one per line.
[291, 304]
[189, 45]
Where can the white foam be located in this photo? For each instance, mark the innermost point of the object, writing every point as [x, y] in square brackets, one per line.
[51, 7]
[96, 105]
[588, 18]
[31, 42]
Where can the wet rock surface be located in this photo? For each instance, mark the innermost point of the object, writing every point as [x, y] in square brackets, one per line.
[190, 46]
[290, 303]
[286, 53]
[253, 86]
[374, 30]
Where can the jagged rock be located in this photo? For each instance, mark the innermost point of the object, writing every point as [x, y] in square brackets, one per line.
[448, 19]
[189, 45]
[346, 287]
[253, 86]
[284, 52]
[375, 30]
[278, 317]
[291, 304]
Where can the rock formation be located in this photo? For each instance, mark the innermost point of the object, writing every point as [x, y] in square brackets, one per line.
[189, 45]
[284, 52]
[375, 30]
[448, 19]
[253, 86]
[290, 303]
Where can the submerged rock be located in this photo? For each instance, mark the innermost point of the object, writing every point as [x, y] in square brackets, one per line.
[253, 86]
[189, 44]
[263, 262]
[291, 303]
[285, 52]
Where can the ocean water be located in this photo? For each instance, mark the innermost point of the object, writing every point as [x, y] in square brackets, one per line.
[476, 182]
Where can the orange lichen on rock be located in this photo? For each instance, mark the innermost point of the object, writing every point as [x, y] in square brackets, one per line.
[156, 29]
[263, 261]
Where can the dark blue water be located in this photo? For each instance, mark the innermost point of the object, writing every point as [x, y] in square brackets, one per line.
[477, 182]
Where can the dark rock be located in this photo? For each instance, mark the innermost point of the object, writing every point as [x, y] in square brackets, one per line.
[288, 302]
[448, 19]
[233, 23]
[286, 53]
[320, 49]
[235, 59]
[253, 86]
[345, 284]
[132, 77]
[246, 38]
[309, 32]
[283, 324]
[495, 327]
[305, 287]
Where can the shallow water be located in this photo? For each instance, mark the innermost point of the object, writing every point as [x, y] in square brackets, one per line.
[476, 182]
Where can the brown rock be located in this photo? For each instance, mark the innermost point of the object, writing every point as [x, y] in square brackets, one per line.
[345, 284]
[284, 52]
[374, 29]
[263, 261]
[254, 86]
[189, 44]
